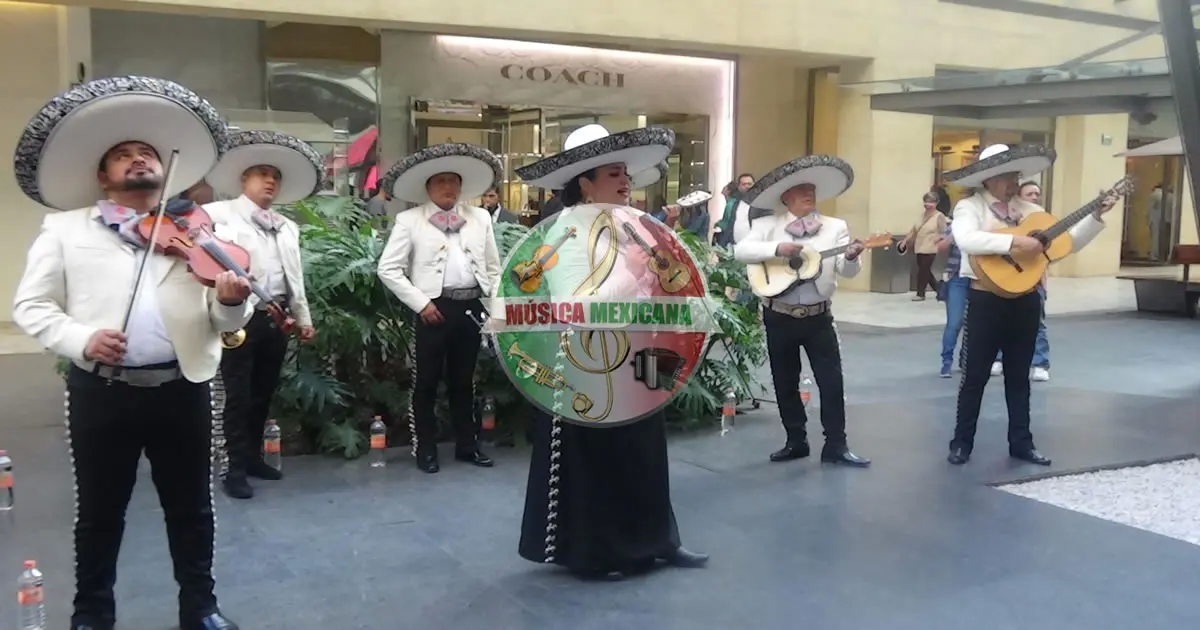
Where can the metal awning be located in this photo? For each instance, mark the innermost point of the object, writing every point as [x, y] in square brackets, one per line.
[1170, 146]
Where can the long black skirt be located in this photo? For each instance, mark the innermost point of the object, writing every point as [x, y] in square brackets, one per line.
[603, 503]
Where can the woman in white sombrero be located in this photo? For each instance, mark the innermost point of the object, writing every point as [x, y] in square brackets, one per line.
[610, 487]
[139, 379]
[261, 169]
[801, 317]
[441, 261]
[996, 323]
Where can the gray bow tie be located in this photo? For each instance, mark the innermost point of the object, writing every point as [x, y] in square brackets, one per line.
[267, 220]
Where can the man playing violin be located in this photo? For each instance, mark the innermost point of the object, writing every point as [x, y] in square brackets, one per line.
[261, 169]
[441, 260]
[143, 341]
[801, 316]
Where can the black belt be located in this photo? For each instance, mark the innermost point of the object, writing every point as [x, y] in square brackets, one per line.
[139, 376]
[799, 311]
[281, 300]
[462, 295]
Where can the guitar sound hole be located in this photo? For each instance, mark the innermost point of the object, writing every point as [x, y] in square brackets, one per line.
[796, 263]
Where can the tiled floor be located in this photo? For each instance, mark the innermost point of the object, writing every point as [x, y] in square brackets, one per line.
[911, 543]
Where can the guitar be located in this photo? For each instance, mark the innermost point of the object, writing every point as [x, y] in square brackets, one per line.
[673, 275]
[528, 274]
[775, 277]
[1009, 275]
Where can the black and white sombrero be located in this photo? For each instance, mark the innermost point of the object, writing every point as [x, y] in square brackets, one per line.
[59, 153]
[830, 175]
[592, 146]
[648, 177]
[299, 164]
[999, 159]
[479, 169]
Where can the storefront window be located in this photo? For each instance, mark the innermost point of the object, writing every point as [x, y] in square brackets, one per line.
[1152, 210]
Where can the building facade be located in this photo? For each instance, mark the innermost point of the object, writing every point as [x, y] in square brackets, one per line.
[745, 86]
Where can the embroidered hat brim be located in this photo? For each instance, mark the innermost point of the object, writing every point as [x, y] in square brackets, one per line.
[59, 153]
[831, 176]
[638, 149]
[298, 163]
[1025, 160]
[649, 177]
[479, 169]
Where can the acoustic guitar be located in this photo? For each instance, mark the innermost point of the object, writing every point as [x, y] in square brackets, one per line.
[1014, 275]
[528, 274]
[776, 276]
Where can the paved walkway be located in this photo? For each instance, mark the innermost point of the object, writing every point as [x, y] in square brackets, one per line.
[911, 543]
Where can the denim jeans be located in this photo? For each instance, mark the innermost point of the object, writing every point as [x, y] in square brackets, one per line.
[956, 308]
[1041, 349]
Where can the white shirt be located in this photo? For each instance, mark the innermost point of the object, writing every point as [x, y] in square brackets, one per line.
[147, 342]
[458, 266]
[269, 259]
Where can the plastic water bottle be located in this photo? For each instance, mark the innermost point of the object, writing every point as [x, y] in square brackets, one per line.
[729, 412]
[31, 605]
[272, 445]
[487, 422]
[806, 387]
[378, 443]
[6, 482]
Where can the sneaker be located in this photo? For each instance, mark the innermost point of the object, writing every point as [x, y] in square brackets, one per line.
[1041, 374]
[945, 371]
[997, 368]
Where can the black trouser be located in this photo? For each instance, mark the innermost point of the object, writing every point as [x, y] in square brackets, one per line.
[925, 273]
[998, 324]
[109, 426]
[451, 349]
[250, 374]
[786, 335]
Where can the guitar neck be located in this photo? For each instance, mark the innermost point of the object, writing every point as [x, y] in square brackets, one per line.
[836, 251]
[1070, 220]
[633, 233]
[546, 258]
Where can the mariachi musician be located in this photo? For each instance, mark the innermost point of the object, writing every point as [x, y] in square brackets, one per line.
[441, 260]
[262, 168]
[140, 387]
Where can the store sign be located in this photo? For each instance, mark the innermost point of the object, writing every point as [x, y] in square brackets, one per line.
[563, 75]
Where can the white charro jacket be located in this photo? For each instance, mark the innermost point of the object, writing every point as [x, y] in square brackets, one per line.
[760, 243]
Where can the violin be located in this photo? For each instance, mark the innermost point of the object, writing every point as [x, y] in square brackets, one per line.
[185, 231]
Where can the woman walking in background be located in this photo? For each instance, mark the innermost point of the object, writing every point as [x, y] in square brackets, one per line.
[923, 239]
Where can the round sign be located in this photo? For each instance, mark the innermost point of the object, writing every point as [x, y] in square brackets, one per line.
[601, 315]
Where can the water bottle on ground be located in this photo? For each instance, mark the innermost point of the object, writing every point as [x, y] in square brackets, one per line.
[273, 445]
[487, 423]
[6, 482]
[806, 387]
[729, 412]
[378, 443]
[31, 605]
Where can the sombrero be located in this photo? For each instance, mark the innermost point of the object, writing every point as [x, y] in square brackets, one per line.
[648, 177]
[999, 159]
[591, 146]
[830, 175]
[299, 164]
[479, 169]
[59, 153]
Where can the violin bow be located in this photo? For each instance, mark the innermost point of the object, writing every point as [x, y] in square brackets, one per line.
[158, 215]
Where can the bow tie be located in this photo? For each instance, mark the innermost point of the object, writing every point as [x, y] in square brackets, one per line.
[447, 221]
[123, 221]
[267, 220]
[804, 227]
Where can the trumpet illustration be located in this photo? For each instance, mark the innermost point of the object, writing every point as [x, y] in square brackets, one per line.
[544, 376]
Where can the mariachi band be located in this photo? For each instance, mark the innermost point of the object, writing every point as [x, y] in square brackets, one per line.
[174, 314]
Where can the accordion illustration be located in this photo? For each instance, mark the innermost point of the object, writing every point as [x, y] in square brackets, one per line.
[658, 368]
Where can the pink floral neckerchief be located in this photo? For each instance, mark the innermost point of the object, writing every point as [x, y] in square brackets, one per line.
[805, 226]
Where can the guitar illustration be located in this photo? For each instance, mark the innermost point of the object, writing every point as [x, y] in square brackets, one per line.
[775, 277]
[1010, 276]
[528, 274]
[673, 275]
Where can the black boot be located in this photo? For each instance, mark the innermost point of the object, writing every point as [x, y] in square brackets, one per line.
[792, 450]
[1031, 455]
[261, 470]
[687, 559]
[215, 621]
[958, 456]
[428, 462]
[236, 486]
[840, 454]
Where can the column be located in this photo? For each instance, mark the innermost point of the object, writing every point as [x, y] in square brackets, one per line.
[1086, 146]
[395, 95]
[772, 115]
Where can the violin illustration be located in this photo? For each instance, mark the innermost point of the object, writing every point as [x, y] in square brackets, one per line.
[528, 274]
[673, 275]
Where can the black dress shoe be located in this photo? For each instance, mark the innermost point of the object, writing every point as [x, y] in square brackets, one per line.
[237, 487]
[1031, 456]
[842, 455]
[262, 470]
[88, 626]
[476, 458]
[958, 456]
[790, 451]
[211, 622]
[428, 463]
[687, 559]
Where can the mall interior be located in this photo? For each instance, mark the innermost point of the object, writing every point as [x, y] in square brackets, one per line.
[905, 90]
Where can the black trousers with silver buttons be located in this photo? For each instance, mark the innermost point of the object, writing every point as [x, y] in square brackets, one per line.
[786, 335]
[450, 350]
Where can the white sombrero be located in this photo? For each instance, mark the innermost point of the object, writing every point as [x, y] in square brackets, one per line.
[59, 153]
[479, 169]
[831, 176]
[999, 159]
[591, 147]
[298, 163]
[648, 177]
